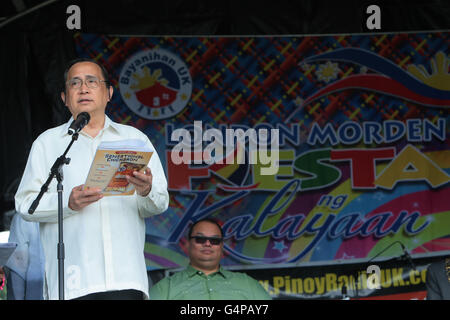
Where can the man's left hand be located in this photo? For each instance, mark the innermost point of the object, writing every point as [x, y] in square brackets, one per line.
[142, 181]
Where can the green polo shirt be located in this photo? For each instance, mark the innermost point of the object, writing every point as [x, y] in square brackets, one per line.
[191, 284]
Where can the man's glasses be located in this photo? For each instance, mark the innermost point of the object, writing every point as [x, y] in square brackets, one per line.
[213, 240]
[91, 82]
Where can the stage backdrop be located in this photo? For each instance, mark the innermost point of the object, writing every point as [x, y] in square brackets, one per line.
[363, 132]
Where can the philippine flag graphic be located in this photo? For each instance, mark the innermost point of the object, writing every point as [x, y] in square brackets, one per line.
[415, 84]
[152, 89]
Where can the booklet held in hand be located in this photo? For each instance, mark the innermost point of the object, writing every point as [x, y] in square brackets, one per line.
[113, 161]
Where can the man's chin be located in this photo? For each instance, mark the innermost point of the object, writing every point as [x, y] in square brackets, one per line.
[206, 263]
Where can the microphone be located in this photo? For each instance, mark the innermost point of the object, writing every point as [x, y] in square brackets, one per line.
[78, 124]
[344, 293]
[407, 256]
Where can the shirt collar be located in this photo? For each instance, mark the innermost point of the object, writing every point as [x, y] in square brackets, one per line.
[108, 124]
[191, 271]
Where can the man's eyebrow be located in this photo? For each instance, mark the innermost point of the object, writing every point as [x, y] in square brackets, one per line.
[202, 234]
[87, 77]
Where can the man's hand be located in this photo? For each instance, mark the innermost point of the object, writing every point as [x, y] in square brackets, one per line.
[80, 198]
[142, 181]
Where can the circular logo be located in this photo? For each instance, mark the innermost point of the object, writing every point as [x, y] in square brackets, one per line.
[155, 84]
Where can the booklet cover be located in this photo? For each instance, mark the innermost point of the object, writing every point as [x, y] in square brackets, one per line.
[113, 161]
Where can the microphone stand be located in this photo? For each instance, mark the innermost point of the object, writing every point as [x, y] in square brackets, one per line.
[344, 287]
[56, 171]
[379, 253]
[357, 274]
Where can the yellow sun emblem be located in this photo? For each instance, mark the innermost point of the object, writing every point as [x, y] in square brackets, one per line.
[439, 78]
[148, 79]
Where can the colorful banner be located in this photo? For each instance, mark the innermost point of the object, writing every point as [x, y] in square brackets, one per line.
[396, 279]
[357, 127]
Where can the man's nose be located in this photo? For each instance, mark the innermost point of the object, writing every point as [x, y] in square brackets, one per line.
[83, 87]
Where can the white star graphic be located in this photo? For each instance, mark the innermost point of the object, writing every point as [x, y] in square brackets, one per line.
[279, 245]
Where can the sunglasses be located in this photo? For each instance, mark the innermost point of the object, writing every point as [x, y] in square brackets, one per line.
[213, 240]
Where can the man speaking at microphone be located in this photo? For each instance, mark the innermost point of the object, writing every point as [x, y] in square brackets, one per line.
[103, 236]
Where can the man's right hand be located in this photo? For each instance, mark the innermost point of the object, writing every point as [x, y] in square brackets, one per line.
[80, 198]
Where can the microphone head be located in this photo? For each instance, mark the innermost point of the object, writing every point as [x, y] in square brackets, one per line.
[84, 116]
[79, 123]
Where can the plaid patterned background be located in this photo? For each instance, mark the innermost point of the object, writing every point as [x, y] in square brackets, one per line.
[254, 80]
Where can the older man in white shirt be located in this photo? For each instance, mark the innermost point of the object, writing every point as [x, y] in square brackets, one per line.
[104, 237]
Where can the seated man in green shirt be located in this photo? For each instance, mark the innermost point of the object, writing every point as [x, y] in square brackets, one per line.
[204, 278]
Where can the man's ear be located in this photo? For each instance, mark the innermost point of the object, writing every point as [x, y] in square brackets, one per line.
[63, 97]
[111, 91]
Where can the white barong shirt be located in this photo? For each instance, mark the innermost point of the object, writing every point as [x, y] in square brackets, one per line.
[104, 242]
